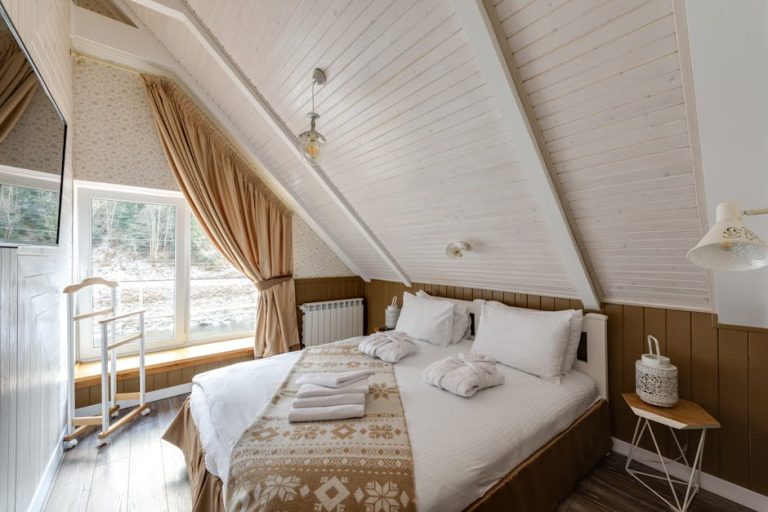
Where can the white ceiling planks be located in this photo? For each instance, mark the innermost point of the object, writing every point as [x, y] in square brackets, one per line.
[280, 160]
[416, 145]
[420, 150]
[604, 83]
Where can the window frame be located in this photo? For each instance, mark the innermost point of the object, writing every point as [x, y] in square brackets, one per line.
[85, 192]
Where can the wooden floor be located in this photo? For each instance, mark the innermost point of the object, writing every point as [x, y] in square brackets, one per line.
[139, 472]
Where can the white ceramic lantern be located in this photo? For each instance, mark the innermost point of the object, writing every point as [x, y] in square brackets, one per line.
[656, 377]
[391, 314]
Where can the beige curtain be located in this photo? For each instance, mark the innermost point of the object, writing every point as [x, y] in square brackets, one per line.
[18, 83]
[241, 216]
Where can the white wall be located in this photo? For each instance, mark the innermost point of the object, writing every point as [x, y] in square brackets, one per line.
[729, 51]
[32, 349]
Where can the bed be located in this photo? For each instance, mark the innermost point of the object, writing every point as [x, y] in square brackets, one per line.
[522, 445]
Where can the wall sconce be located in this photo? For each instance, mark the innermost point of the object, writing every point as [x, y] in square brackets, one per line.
[729, 245]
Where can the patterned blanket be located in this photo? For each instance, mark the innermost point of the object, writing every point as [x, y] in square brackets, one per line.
[361, 464]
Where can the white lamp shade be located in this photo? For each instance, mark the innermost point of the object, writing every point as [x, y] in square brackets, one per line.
[729, 245]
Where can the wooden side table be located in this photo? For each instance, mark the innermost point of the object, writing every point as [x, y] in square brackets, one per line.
[684, 415]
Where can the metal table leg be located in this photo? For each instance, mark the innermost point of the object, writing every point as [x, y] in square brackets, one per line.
[692, 484]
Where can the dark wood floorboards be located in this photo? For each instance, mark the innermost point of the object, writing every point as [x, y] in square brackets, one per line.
[138, 471]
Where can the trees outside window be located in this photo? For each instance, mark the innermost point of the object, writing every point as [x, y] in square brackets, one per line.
[149, 242]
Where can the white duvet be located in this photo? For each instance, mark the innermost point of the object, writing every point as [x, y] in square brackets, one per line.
[461, 446]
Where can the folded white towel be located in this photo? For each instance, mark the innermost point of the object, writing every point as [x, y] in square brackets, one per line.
[463, 375]
[311, 390]
[333, 380]
[390, 346]
[326, 401]
[336, 412]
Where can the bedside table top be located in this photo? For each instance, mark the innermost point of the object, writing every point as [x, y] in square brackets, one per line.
[684, 415]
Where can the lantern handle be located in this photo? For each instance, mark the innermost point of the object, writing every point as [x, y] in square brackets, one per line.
[651, 341]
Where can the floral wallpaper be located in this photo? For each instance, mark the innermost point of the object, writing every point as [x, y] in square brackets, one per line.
[115, 136]
[116, 142]
[37, 140]
[311, 256]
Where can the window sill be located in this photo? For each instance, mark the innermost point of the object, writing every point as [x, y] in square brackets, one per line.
[89, 374]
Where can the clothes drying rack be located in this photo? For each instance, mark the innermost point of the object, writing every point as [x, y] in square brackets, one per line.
[110, 398]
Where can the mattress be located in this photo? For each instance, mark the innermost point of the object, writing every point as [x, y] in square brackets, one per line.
[461, 447]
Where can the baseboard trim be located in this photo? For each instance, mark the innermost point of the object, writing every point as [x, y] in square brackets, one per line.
[151, 396]
[713, 484]
[46, 482]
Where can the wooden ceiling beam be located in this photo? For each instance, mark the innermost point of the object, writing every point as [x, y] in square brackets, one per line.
[489, 55]
[137, 50]
[178, 10]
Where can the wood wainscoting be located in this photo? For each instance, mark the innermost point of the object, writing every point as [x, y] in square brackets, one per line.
[378, 295]
[723, 368]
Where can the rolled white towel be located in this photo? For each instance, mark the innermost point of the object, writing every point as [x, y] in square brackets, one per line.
[333, 380]
[463, 375]
[389, 346]
[326, 401]
[312, 390]
[336, 412]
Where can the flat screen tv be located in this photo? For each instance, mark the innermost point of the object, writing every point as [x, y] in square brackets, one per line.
[32, 140]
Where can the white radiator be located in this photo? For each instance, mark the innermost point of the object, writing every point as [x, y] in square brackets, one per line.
[331, 320]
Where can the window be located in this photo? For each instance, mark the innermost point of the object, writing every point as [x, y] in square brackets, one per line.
[149, 242]
[221, 299]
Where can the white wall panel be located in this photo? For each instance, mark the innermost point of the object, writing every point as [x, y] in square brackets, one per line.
[730, 73]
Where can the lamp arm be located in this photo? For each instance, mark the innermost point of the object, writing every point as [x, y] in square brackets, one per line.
[755, 211]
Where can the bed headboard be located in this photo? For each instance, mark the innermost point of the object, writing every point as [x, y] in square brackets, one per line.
[596, 364]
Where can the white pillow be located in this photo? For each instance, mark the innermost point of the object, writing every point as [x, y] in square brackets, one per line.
[426, 319]
[460, 329]
[530, 340]
[574, 336]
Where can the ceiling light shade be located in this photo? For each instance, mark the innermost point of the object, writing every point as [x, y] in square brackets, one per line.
[729, 245]
[312, 141]
[456, 250]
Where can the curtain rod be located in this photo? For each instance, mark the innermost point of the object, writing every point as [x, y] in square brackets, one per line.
[112, 64]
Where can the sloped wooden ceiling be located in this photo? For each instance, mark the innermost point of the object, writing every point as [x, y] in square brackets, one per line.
[604, 82]
[417, 147]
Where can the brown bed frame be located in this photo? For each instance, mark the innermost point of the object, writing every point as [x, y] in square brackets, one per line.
[539, 483]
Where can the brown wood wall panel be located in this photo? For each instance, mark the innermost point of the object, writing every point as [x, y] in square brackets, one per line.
[723, 368]
[378, 295]
[734, 405]
[758, 412]
[705, 380]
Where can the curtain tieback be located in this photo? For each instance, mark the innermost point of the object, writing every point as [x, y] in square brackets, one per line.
[272, 281]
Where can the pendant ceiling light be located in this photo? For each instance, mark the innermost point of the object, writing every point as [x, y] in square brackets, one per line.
[312, 141]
